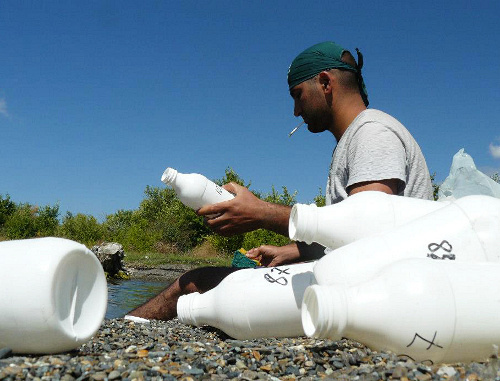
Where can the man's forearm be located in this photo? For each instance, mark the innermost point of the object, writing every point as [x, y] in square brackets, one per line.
[275, 217]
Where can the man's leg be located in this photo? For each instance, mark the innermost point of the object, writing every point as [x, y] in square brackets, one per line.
[164, 305]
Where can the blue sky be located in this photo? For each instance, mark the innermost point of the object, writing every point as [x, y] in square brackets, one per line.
[97, 98]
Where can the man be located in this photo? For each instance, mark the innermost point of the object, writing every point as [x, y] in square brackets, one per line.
[374, 152]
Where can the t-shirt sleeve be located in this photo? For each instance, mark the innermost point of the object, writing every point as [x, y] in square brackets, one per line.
[375, 153]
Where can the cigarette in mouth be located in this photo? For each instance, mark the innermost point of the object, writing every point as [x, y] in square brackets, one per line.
[295, 129]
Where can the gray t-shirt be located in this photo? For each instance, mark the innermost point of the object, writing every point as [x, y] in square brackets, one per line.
[376, 147]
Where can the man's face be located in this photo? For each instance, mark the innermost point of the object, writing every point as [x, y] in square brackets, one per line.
[309, 103]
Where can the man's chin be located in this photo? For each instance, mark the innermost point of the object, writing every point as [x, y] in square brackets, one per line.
[315, 130]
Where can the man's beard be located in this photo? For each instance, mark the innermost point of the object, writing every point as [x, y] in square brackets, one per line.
[316, 123]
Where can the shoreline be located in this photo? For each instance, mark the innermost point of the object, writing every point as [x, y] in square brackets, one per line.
[166, 273]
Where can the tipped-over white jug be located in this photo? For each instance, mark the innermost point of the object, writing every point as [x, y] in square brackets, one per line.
[358, 216]
[467, 229]
[252, 303]
[54, 295]
[437, 311]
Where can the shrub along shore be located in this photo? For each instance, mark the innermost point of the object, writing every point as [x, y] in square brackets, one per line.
[160, 230]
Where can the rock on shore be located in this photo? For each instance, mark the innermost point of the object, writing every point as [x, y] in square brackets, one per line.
[123, 350]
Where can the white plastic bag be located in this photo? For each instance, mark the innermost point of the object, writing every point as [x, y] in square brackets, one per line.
[465, 179]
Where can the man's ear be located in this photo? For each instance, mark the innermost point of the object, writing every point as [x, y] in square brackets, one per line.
[325, 79]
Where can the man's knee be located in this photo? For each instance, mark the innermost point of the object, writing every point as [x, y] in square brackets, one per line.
[203, 279]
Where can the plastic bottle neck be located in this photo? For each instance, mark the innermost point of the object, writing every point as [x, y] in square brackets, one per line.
[169, 176]
[184, 306]
[303, 223]
[324, 312]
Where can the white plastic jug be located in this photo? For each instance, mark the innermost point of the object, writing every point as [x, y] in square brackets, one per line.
[195, 190]
[252, 303]
[53, 296]
[436, 311]
[358, 216]
[467, 229]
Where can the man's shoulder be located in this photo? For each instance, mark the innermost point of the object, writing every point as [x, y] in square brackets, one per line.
[377, 116]
[371, 122]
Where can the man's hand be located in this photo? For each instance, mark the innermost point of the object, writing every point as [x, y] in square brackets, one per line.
[245, 213]
[270, 256]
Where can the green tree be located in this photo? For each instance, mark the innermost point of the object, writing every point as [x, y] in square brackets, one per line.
[139, 236]
[174, 222]
[21, 223]
[285, 198]
[7, 208]
[320, 198]
[117, 224]
[47, 221]
[160, 221]
[435, 187]
[263, 237]
[230, 176]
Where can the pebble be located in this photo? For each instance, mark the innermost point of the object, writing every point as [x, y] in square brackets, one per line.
[5, 352]
[124, 350]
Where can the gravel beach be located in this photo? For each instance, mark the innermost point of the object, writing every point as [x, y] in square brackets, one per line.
[124, 350]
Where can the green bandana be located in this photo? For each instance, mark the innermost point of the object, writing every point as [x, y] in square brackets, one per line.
[323, 56]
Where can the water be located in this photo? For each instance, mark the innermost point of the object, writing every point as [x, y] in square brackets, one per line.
[125, 295]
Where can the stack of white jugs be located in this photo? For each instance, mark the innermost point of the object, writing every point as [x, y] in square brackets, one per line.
[417, 277]
[427, 289]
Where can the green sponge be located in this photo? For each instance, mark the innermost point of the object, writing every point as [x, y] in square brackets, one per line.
[240, 260]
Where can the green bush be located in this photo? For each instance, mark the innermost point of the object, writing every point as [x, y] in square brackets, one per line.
[284, 198]
[116, 225]
[230, 176]
[226, 245]
[139, 237]
[22, 223]
[7, 208]
[28, 221]
[435, 187]
[47, 221]
[174, 223]
[160, 221]
[81, 228]
[263, 237]
[320, 198]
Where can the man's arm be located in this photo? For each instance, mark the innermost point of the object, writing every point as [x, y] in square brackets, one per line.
[389, 186]
[269, 255]
[245, 213]
[295, 252]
